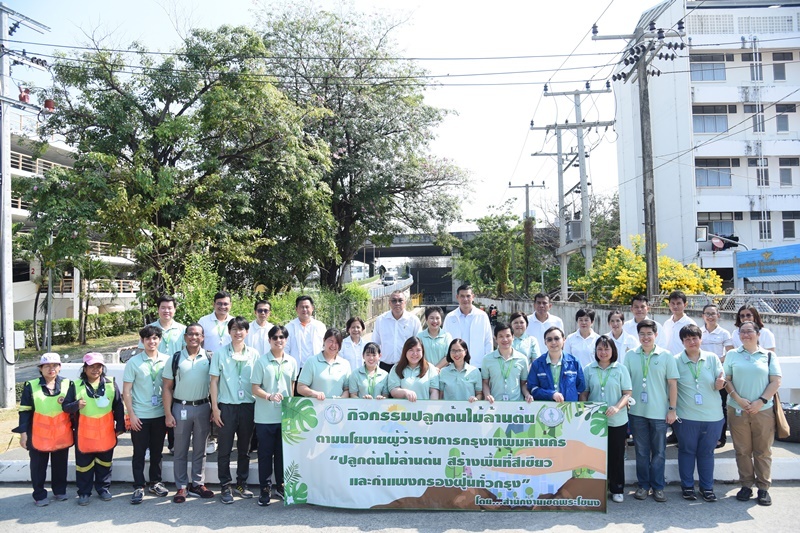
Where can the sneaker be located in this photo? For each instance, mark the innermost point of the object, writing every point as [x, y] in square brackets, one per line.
[225, 496]
[84, 499]
[631, 442]
[158, 489]
[200, 490]
[744, 494]
[105, 495]
[279, 492]
[147, 454]
[641, 493]
[211, 447]
[617, 498]
[672, 439]
[42, 503]
[137, 497]
[689, 494]
[264, 497]
[658, 495]
[60, 497]
[708, 495]
[243, 491]
[180, 496]
[763, 498]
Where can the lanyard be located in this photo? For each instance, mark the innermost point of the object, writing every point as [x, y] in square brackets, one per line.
[220, 328]
[154, 370]
[646, 366]
[279, 373]
[169, 336]
[695, 370]
[371, 383]
[506, 370]
[600, 374]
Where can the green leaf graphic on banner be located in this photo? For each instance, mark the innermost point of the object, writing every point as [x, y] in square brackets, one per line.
[292, 474]
[298, 417]
[454, 472]
[296, 493]
[584, 473]
[599, 424]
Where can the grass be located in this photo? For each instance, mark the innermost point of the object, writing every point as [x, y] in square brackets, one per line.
[104, 345]
[368, 280]
[8, 421]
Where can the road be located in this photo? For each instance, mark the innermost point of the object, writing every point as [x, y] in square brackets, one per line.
[160, 514]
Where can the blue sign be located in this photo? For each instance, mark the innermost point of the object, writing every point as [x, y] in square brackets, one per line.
[778, 261]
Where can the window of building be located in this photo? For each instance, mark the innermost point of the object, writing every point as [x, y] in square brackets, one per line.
[713, 172]
[787, 169]
[717, 223]
[710, 118]
[758, 116]
[782, 116]
[779, 69]
[756, 72]
[707, 67]
[783, 56]
[764, 224]
[789, 229]
[751, 56]
[762, 172]
[20, 271]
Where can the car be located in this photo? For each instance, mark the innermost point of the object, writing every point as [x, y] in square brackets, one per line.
[389, 279]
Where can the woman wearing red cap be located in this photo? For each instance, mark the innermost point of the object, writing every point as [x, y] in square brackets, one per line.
[97, 407]
[45, 430]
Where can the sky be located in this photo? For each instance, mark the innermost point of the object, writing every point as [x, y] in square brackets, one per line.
[488, 58]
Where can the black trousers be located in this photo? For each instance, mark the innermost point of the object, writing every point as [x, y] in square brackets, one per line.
[93, 469]
[724, 395]
[616, 458]
[58, 470]
[150, 436]
[239, 421]
[270, 454]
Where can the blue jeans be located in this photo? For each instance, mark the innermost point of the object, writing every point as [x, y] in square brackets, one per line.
[650, 438]
[696, 443]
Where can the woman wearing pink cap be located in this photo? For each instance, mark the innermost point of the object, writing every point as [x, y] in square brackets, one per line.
[45, 430]
[99, 416]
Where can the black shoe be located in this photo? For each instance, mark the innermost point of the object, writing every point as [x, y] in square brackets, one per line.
[708, 495]
[672, 439]
[225, 496]
[689, 494]
[158, 489]
[264, 497]
[630, 441]
[763, 498]
[137, 496]
[84, 499]
[744, 494]
[279, 493]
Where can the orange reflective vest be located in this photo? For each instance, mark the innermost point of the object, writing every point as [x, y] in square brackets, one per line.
[52, 428]
[96, 423]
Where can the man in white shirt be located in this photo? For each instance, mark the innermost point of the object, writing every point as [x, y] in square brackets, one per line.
[393, 328]
[471, 325]
[305, 331]
[215, 325]
[541, 320]
[640, 306]
[670, 337]
[258, 336]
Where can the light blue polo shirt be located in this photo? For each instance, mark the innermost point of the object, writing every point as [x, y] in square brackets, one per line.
[332, 378]
[234, 376]
[412, 381]
[435, 347]
[659, 367]
[505, 376]
[273, 377]
[192, 382]
[363, 385]
[605, 385]
[526, 345]
[146, 376]
[460, 385]
[749, 374]
[696, 384]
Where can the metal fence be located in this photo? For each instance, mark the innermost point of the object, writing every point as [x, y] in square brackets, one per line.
[765, 303]
[386, 290]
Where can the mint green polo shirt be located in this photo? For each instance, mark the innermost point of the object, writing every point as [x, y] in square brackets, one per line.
[698, 379]
[460, 385]
[526, 345]
[273, 377]
[363, 385]
[435, 347]
[172, 339]
[660, 366]
[411, 381]
[331, 379]
[605, 385]
[192, 382]
[146, 376]
[749, 374]
[234, 376]
[505, 376]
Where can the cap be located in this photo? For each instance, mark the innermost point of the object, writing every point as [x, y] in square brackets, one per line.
[93, 358]
[50, 358]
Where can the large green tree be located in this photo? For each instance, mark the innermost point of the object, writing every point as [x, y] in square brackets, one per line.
[378, 126]
[179, 153]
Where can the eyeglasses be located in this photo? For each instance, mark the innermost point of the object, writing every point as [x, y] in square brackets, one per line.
[745, 315]
[552, 339]
[458, 351]
[262, 311]
[747, 332]
[396, 300]
[278, 338]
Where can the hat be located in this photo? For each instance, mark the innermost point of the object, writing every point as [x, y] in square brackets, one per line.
[50, 358]
[92, 358]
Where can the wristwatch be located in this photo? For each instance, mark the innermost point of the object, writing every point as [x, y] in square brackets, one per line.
[671, 408]
[763, 400]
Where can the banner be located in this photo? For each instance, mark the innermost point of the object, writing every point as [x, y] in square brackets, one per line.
[394, 454]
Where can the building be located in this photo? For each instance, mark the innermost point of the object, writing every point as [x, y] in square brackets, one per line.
[724, 122]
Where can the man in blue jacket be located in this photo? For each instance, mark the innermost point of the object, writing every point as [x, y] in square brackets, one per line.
[555, 376]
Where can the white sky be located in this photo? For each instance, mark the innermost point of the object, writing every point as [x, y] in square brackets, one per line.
[489, 135]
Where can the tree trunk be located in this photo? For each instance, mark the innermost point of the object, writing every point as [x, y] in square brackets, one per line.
[85, 316]
[35, 318]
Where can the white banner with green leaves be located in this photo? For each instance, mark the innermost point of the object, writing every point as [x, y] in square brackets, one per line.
[394, 454]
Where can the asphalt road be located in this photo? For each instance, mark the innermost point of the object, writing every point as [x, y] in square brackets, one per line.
[160, 514]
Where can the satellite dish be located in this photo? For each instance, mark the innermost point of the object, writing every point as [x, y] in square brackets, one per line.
[717, 242]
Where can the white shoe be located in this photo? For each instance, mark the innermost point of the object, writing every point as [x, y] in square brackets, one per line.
[147, 454]
[617, 498]
[211, 447]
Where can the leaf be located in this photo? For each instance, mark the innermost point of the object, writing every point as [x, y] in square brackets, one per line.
[599, 424]
[453, 472]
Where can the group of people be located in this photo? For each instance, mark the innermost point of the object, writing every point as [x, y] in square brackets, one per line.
[229, 374]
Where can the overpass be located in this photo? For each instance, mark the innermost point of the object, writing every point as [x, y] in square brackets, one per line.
[409, 245]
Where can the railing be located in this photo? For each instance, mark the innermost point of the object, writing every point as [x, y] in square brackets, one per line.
[399, 285]
[19, 203]
[109, 250]
[765, 303]
[119, 286]
[28, 164]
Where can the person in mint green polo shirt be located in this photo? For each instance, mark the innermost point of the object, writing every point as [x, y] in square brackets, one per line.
[523, 343]
[413, 377]
[459, 380]
[232, 407]
[700, 418]
[141, 392]
[327, 374]
[505, 371]
[434, 339]
[609, 382]
[654, 377]
[370, 381]
[272, 381]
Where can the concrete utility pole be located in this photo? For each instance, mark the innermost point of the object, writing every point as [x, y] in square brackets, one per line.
[528, 221]
[8, 397]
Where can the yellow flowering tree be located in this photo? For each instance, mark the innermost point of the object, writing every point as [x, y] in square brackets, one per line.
[620, 274]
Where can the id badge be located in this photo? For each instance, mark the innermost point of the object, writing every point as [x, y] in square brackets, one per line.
[184, 415]
[738, 412]
[698, 399]
[644, 397]
[505, 397]
[241, 394]
[154, 399]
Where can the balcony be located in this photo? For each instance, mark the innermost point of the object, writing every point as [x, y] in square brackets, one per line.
[26, 163]
[121, 287]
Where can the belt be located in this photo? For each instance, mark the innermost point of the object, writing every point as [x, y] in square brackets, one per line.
[195, 402]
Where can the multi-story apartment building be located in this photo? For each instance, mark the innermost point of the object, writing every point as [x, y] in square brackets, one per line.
[726, 149]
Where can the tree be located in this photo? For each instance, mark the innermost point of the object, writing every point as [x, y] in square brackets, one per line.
[171, 147]
[620, 274]
[377, 125]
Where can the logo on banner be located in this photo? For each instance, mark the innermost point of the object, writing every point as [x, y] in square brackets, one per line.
[551, 417]
[334, 414]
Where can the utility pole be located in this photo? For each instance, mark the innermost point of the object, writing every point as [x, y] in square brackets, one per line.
[8, 397]
[528, 221]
